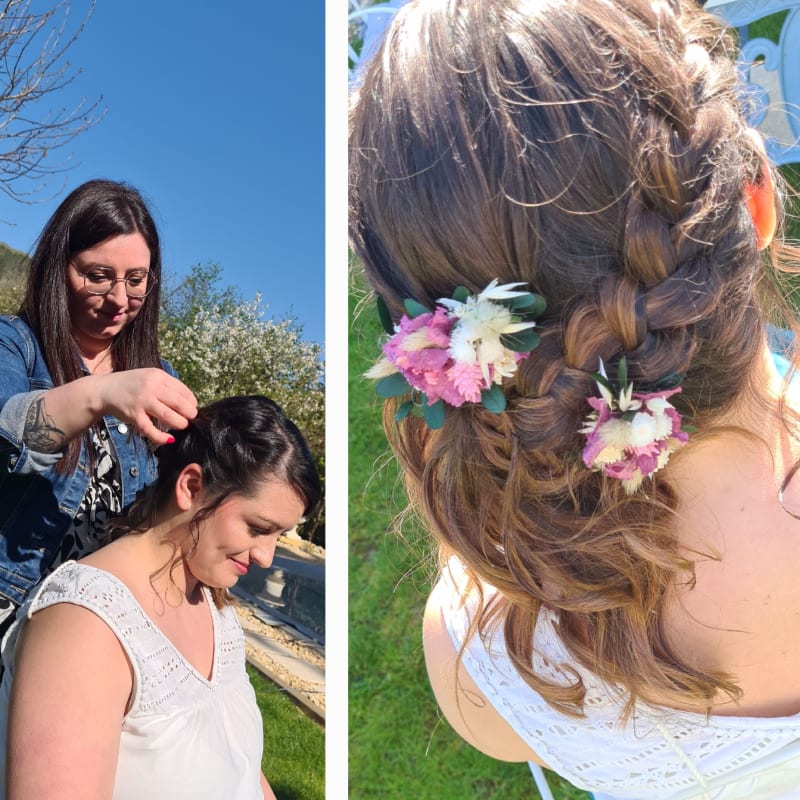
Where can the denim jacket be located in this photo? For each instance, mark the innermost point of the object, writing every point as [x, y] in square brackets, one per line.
[37, 503]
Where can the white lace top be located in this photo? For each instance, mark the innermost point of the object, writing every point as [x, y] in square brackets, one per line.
[660, 754]
[184, 736]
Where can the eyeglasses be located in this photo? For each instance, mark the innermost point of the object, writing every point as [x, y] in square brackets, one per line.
[101, 281]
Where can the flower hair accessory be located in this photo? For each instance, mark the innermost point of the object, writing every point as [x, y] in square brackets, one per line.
[459, 352]
[630, 435]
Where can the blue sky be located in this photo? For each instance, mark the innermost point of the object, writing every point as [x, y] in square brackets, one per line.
[216, 113]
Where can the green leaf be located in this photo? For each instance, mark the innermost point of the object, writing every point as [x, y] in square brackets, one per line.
[493, 399]
[686, 428]
[392, 385]
[669, 381]
[461, 294]
[622, 373]
[522, 341]
[404, 410]
[413, 308]
[434, 415]
[602, 380]
[383, 314]
[533, 305]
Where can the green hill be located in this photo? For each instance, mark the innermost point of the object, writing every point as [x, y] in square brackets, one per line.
[13, 264]
[13, 269]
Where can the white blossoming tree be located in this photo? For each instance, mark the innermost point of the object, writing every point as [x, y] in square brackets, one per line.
[222, 345]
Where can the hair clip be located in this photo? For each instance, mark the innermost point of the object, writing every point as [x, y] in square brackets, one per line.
[630, 435]
[458, 353]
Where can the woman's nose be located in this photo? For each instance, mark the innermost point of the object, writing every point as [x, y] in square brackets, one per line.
[264, 552]
[118, 293]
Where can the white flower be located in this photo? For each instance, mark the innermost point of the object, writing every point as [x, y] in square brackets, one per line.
[381, 369]
[417, 340]
[615, 433]
[642, 430]
[663, 424]
[502, 292]
[480, 322]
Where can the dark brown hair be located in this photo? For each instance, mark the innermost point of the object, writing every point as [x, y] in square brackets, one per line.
[93, 212]
[239, 442]
[596, 150]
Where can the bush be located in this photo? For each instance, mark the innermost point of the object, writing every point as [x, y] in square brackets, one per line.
[222, 345]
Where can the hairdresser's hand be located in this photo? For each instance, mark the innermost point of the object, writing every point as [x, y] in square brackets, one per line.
[139, 396]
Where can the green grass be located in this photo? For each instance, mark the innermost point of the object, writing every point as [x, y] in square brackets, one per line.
[294, 745]
[399, 744]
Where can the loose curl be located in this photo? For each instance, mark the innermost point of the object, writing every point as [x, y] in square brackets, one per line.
[596, 150]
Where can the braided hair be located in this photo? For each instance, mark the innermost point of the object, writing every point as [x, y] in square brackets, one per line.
[597, 151]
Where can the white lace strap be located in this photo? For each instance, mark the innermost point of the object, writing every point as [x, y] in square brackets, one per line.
[43, 584]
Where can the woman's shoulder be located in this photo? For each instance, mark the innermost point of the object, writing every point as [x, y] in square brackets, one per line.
[460, 698]
[14, 328]
[80, 583]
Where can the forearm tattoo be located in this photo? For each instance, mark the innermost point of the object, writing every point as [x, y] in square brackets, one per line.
[40, 433]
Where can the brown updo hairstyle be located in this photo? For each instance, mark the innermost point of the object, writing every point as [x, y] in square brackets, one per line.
[596, 150]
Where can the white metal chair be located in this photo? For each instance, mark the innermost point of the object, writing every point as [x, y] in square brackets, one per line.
[772, 71]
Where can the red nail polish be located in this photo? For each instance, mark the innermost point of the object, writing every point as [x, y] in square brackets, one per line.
[171, 440]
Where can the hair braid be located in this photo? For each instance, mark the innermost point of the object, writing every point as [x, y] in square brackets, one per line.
[601, 158]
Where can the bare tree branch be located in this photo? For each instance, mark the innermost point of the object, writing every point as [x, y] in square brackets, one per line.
[33, 70]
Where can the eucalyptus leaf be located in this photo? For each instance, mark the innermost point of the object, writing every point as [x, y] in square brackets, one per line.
[669, 381]
[461, 294]
[493, 399]
[392, 385]
[383, 315]
[434, 415]
[533, 305]
[686, 428]
[522, 341]
[404, 410]
[413, 308]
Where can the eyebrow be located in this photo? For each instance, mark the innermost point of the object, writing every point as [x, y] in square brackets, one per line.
[266, 522]
[96, 265]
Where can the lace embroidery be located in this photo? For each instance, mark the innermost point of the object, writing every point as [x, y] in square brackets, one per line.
[160, 671]
[659, 754]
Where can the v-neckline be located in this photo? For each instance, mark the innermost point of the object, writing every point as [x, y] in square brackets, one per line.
[212, 610]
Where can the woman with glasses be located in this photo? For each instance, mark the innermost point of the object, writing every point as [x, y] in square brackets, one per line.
[84, 396]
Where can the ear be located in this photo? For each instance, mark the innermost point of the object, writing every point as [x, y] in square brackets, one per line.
[760, 198]
[188, 486]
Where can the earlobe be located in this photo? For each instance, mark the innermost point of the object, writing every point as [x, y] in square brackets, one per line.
[761, 200]
[188, 486]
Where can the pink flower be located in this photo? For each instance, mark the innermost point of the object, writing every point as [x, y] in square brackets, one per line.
[467, 381]
[419, 350]
[457, 351]
[633, 443]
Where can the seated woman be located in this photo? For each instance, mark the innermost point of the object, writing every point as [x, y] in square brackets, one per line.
[125, 670]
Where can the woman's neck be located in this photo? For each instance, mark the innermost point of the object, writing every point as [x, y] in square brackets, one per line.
[162, 552]
[98, 359]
